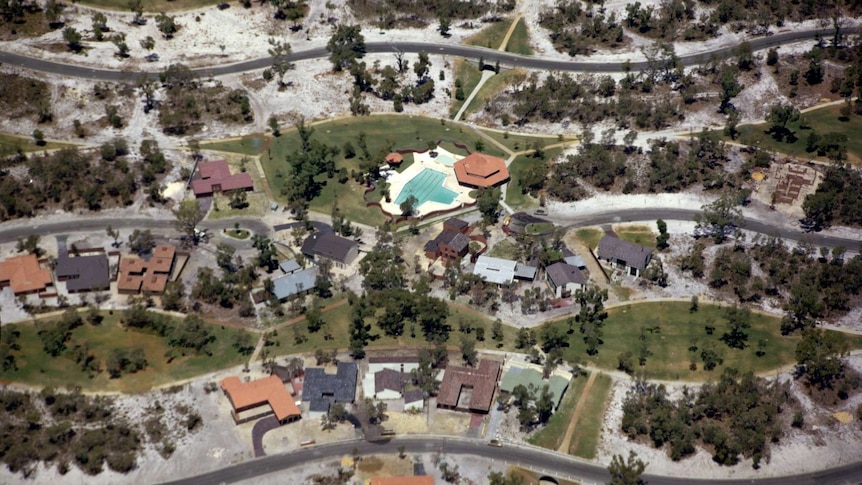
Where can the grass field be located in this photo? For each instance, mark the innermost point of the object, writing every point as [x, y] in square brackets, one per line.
[506, 249]
[469, 74]
[551, 436]
[822, 120]
[10, 144]
[589, 236]
[519, 42]
[248, 145]
[637, 234]
[529, 476]
[380, 131]
[258, 204]
[675, 329]
[155, 5]
[494, 34]
[492, 87]
[514, 197]
[517, 143]
[338, 320]
[37, 368]
[588, 432]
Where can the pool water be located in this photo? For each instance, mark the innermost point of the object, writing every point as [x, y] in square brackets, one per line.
[445, 159]
[427, 186]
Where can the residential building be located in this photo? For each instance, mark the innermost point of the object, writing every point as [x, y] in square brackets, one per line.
[320, 389]
[456, 225]
[150, 276]
[564, 279]
[619, 254]
[414, 399]
[448, 245]
[270, 391]
[215, 177]
[479, 170]
[24, 274]
[83, 273]
[469, 389]
[502, 271]
[341, 251]
[289, 266]
[294, 284]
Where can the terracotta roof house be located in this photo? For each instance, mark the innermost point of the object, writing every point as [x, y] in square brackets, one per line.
[480, 170]
[213, 177]
[630, 257]
[449, 245]
[341, 251]
[84, 273]
[469, 389]
[162, 260]
[267, 391]
[394, 158]
[137, 274]
[321, 389]
[564, 279]
[154, 282]
[24, 275]
[411, 480]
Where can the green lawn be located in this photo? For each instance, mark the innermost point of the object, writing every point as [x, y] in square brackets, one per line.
[248, 145]
[519, 42]
[676, 329]
[506, 249]
[585, 439]
[822, 120]
[238, 233]
[492, 35]
[518, 142]
[642, 235]
[469, 74]
[551, 436]
[338, 319]
[514, 197]
[399, 132]
[155, 5]
[258, 204]
[37, 368]
[589, 236]
[10, 144]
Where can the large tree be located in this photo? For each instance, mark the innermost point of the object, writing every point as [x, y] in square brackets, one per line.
[188, 215]
[345, 46]
[627, 471]
[720, 218]
[819, 357]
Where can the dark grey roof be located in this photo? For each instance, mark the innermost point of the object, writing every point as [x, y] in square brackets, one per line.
[455, 222]
[388, 379]
[413, 395]
[634, 255]
[328, 245]
[454, 240]
[525, 271]
[289, 266]
[562, 273]
[84, 273]
[431, 246]
[525, 218]
[338, 387]
[393, 359]
[320, 405]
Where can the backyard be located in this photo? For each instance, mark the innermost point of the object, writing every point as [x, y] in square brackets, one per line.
[36, 367]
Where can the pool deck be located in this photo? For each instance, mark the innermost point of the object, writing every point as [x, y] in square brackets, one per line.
[421, 161]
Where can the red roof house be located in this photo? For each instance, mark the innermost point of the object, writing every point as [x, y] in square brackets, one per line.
[480, 170]
[267, 391]
[215, 177]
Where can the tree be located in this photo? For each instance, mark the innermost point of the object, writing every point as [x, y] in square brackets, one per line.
[39, 137]
[545, 405]
[779, 116]
[445, 24]
[345, 46]
[280, 52]
[488, 202]
[627, 472]
[497, 332]
[72, 38]
[468, 350]
[661, 239]
[738, 323]
[238, 198]
[188, 215]
[719, 218]
[408, 205]
[819, 357]
[119, 40]
[772, 57]
[137, 7]
[422, 66]
[167, 25]
[100, 25]
[141, 242]
[148, 43]
[266, 252]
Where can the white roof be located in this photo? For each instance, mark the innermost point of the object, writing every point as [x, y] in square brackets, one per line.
[495, 270]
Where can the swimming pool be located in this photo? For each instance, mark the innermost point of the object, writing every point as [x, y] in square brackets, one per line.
[427, 186]
[445, 159]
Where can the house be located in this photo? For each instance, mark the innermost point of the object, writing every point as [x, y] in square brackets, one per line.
[409, 480]
[456, 225]
[289, 266]
[398, 363]
[341, 251]
[630, 257]
[270, 391]
[564, 279]
[502, 271]
[214, 177]
[448, 245]
[518, 222]
[294, 284]
[320, 389]
[478, 170]
[389, 384]
[469, 389]
[83, 273]
[414, 400]
[388, 376]
[150, 276]
[24, 275]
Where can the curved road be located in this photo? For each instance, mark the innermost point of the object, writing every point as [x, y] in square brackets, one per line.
[547, 462]
[471, 52]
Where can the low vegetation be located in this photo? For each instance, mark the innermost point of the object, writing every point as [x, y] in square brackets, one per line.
[24, 97]
[391, 14]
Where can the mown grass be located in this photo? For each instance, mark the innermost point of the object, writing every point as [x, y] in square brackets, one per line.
[11, 144]
[37, 368]
[675, 329]
[248, 145]
[155, 5]
[469, 74]
[822, 120]
[519, 42]
[518, 142]
[491, 36]
[514, 197]
[637, 234]
[585, 439]
[338, 321]
[506, 249]
[257, 206]
[397, 132]
[551, 436]
[529, 476]
[589, 236]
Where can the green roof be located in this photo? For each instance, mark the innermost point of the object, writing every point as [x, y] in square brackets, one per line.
[517, 375]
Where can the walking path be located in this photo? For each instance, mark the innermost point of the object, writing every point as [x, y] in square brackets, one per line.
[486, 74]
[567, 439]
[510, 32]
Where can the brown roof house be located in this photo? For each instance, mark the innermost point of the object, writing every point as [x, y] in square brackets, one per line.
[469, 389]
[269, 391]
[138, 274]
[564, 279]
[448, 245]
[24, 275]
[630, 257]
[341, 251]
[480, 170]
[213, 177]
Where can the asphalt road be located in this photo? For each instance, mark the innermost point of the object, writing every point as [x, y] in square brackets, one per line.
[490, 56]
[545, 462]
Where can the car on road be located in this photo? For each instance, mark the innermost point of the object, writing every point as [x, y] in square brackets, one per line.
[541, 212]
[496, 443]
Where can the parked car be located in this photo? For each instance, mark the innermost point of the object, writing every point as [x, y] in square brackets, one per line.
[152, 57]
[496, 443]
[541, 212]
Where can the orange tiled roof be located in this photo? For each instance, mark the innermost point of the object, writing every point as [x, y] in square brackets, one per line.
[480, 170]
[163, 259]
[129, 282]
[269, 390]
[132, 264]
[155, 282]
[24, 274]
[412, 480]
[394, 158]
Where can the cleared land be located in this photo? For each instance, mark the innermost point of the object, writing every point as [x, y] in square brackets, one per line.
[670, 330]
[492, 87]
[154, 5]
[518, 142]
[589, 236]
[822, 120]
[35, 367]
